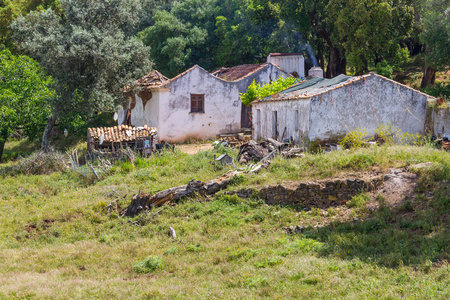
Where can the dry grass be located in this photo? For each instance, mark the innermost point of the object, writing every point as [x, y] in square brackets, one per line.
[57, 243]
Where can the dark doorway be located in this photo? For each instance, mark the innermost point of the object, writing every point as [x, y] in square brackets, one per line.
[245, 116]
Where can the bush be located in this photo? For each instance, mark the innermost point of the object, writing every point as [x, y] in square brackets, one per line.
[148, 265]
[386, 132]
[384, 69]
[358, 200]
[38, 163]
[354, 139]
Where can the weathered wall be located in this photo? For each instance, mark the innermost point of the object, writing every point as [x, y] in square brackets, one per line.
[321, 194]
[169, 110]
[367, 103]
[441, 121]
[292, 115]
[222, 107]
[289, 63]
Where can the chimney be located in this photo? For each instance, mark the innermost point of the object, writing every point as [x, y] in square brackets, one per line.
[315, 72]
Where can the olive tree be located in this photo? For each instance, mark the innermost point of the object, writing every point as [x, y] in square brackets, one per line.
[90, 51]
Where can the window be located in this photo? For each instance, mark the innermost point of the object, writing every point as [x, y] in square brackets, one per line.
[197, 103]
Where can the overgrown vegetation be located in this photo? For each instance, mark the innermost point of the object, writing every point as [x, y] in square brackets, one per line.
[256, 91]
[226, 246]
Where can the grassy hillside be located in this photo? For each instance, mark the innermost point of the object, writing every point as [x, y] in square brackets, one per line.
[58, 242]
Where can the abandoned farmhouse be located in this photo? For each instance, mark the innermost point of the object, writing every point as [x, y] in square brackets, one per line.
[321, 109]
[198, 104]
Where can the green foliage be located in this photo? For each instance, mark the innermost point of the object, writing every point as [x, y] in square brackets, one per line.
[439, 90]
[354, 139]
[370, 30]
[89, 52]
[384, 69]
[255, 91]
[358, 200]
[25, 94]
[436, 33]
[148, 265]
[11, 9]
[386, 132]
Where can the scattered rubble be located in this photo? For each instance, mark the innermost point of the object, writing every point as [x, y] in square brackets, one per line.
[266, 149]
[293, 229]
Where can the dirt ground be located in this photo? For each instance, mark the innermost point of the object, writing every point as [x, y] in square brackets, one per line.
[194, 148]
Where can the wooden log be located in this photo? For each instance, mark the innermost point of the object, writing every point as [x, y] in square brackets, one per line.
[143, 201]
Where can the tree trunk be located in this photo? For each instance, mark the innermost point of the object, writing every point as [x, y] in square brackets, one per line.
[337, 65]
[429, 76]
[2, 146]
[45, 137]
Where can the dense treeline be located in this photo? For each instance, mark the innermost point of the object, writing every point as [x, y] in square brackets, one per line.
[347, 35]
[92, 48]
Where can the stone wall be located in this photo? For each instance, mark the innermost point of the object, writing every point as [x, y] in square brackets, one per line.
[322, 194]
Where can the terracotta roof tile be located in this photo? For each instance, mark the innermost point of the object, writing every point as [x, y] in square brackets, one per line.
[120, 133]
[237, 72]
[152, 80]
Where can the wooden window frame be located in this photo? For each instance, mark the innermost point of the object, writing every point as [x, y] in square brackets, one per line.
[197, 103]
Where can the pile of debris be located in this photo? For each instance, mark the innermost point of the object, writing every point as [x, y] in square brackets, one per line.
[266, 149]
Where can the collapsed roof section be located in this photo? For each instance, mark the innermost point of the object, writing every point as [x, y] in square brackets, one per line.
[237, 72]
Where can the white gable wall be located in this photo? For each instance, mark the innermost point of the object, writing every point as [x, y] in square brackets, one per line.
[222, 108]
[367, 103]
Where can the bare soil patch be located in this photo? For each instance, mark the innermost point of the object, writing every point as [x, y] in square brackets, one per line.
[194, 148]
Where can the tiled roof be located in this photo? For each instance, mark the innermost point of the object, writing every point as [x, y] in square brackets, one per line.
[120, 133]
[152, 80]
[316, 86]
[237, 72]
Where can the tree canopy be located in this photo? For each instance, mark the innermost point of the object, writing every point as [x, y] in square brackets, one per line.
[436, 33]
[25, 95]
[90, 51]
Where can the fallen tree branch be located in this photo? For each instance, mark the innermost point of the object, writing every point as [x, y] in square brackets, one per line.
[143, 202]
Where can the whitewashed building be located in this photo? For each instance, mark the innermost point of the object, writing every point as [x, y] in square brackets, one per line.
[319, 109]
[195, 104]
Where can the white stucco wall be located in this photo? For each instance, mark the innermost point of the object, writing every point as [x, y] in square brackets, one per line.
[222, 108]
[292, 115]
[289, 63]
[367, 103]
[441, 121]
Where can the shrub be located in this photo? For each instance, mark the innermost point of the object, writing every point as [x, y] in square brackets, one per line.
[386, 132]
[358, 200]
[255, 91]
[385, 69]
[354, 139]
[148, 265]
[38, 163]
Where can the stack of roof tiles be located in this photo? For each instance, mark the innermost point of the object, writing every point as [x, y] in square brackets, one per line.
[120, 133]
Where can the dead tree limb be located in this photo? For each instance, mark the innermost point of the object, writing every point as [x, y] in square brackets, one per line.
[142, 201]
